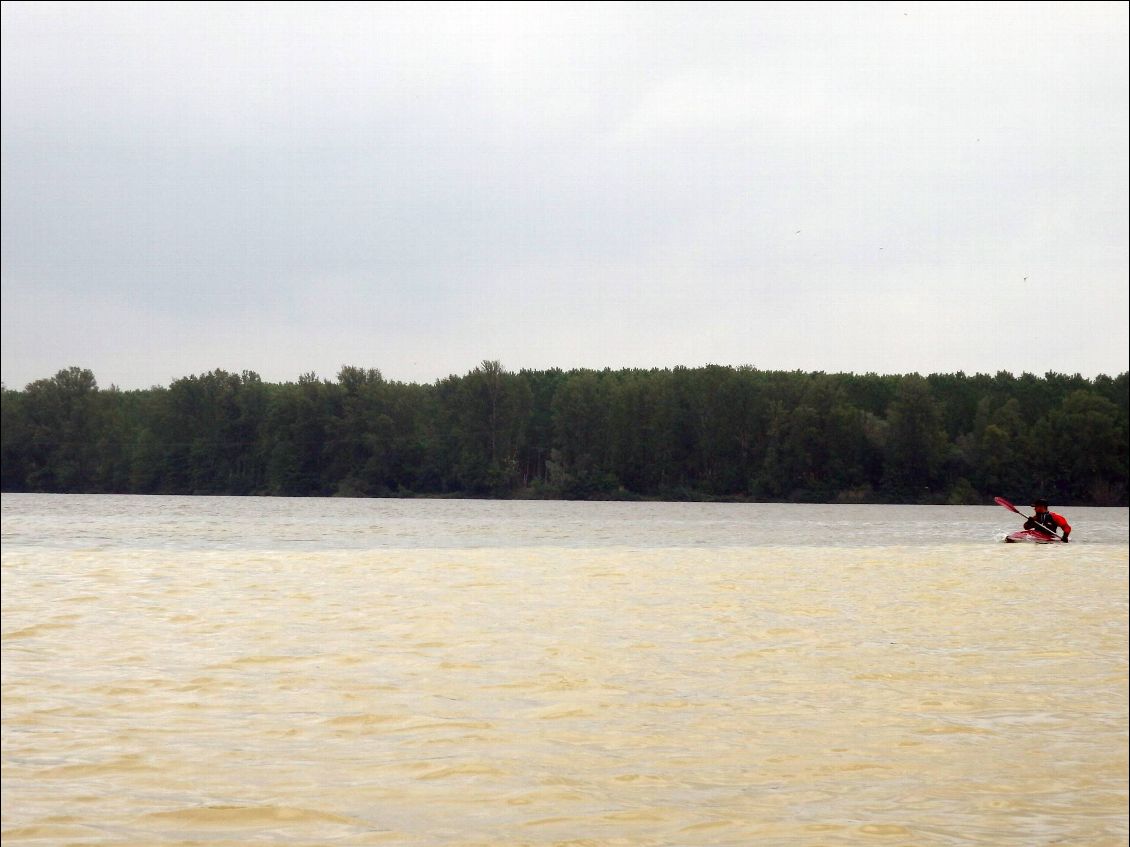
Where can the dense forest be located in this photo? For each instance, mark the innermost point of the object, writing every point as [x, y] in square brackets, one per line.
[685, 433]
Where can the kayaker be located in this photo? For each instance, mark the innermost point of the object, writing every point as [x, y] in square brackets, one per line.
[1047, 520]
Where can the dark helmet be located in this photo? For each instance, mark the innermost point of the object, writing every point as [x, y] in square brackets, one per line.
[1040, 502]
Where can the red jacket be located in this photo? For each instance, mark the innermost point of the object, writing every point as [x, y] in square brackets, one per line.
[1050, 520]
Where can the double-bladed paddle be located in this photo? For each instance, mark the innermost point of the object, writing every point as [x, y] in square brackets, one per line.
[1002, 502]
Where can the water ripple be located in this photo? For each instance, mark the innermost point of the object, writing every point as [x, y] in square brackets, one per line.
[888, 694]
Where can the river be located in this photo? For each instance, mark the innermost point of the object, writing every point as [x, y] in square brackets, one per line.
[232, 671]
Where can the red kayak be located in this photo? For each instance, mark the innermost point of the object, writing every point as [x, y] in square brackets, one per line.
[1032, 536]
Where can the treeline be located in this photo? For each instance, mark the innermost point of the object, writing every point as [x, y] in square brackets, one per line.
[684, 433]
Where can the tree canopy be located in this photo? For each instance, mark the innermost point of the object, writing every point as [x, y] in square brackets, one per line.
[713, 432]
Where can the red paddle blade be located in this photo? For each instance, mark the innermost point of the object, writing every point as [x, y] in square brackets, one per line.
[1000, 501]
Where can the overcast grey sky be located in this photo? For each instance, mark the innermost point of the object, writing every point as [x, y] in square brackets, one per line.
[287, 188]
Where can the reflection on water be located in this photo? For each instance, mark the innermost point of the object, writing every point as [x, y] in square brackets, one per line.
[187, 671]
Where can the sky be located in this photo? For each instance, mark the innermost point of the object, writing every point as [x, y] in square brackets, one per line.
[289, 188]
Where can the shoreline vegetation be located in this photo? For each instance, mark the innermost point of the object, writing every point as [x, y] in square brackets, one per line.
[705, 434]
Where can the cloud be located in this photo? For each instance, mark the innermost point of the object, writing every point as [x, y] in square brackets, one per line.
[418, 187]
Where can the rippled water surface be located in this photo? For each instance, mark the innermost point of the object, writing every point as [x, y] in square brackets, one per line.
[221, 671]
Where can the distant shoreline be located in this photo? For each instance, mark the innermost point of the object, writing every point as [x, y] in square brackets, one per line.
[711, 434]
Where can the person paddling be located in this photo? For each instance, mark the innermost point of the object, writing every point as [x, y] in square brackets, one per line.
[1047, 521]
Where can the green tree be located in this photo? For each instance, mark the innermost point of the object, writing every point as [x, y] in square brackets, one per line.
[15, 441]
[209, 430]
[357, 434]
[580, 465]
[916, 443]
[735, 430]
[539, 436]
[641, 432]
[995, 449]
[710, 431]
[1082, 450]
[63, 431]
[491, 412]
[297, 417]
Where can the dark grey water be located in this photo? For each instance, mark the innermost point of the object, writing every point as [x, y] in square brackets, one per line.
[196, 523]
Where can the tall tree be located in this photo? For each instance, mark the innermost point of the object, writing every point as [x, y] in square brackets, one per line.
[582, 436]
[683, 432]
[297, 418]
[1082, 450]
[15, 441]
[491, 411]
[916, 442]
[357, 433]
[63, 428]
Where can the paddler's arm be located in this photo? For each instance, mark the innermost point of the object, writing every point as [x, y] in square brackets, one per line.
[1063, 525]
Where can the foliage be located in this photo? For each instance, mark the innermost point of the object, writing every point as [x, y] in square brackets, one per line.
[704, 433]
